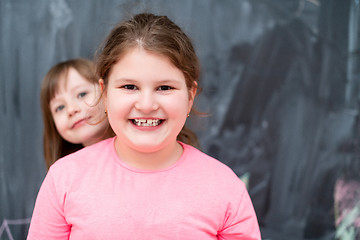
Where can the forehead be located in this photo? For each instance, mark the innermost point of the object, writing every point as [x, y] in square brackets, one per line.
[140, 64]
[70, 80]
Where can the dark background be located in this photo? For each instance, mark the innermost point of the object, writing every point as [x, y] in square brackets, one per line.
[280, 83]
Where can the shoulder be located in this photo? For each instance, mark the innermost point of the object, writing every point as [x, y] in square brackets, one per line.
[208, 166]
[201, 158]
[85, 157]
[79, 166]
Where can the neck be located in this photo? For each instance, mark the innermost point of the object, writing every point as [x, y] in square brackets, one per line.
[155, 160]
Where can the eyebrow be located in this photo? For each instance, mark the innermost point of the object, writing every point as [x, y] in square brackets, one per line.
[82, 85]
[79, 87]
[130, 80]
[73, 89]
[54, 103]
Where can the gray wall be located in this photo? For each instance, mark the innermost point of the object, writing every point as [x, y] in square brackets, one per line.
[280, 82]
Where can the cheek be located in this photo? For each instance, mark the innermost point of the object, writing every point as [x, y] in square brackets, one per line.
[119, 103]
[117, 109]
[60, 124]
[96, 110]
[178, 107]
[91, 99]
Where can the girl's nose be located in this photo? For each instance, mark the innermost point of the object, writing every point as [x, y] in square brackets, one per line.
[73, 109]
[146, 102]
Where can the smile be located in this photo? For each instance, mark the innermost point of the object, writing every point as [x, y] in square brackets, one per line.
[146, 122]
[79, 123]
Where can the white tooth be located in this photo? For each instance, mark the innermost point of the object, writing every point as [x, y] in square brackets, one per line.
[147, 122]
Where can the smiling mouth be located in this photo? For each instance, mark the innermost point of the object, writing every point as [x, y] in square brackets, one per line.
[147, 122]
[79, 122]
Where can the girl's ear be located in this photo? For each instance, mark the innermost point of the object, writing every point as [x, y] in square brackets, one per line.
[193, 91]
[101, 83]
[192, 94]
[103, 91]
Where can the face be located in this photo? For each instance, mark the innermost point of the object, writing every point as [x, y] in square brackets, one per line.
[75, 112]
[147, 101]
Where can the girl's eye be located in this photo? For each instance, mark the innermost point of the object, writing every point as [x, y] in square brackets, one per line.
[130, 87]
[82, 94]
[165, 88]
[59, 108]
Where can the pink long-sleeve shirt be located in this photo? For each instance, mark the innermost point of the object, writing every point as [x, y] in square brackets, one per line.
[92, 194]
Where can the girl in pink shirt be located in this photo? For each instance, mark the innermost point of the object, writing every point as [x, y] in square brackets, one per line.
[145, 183]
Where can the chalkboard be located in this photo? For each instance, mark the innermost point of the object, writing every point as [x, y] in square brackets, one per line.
[280, 84]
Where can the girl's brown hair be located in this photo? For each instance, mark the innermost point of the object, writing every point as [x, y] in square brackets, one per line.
[54, 145]
[157, 34]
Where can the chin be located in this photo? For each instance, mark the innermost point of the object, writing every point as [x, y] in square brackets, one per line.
[148, 148]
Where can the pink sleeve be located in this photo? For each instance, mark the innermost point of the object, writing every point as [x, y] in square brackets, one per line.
[241, 222]
[48, 221]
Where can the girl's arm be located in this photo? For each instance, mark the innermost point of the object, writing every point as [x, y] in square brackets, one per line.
[241, 222]
[48, 220]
